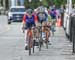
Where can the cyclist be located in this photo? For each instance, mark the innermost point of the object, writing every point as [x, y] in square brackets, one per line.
[42, 19]
[53, 18]
[29, 20]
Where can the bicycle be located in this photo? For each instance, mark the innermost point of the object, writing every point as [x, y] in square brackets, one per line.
[30, 39]
[41, 39]
[40, 33]
[47, 35]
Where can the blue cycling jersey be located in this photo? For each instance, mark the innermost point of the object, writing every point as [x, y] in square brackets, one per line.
[30, 19]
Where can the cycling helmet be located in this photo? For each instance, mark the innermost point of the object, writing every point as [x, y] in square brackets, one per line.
[29, 11]
[41, 9]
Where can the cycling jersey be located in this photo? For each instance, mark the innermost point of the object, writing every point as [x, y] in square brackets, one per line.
[53, 14]
[49, 18]
[42, 16]
[30, 21]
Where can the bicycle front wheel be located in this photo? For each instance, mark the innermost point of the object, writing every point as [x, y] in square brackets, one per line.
[39, 44]
[29, 46]
[46, 43]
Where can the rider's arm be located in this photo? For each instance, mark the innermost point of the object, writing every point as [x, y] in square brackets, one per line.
[36, 20]
[24, 20]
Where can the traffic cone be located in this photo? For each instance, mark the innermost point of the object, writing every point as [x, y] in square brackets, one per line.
[59, 23]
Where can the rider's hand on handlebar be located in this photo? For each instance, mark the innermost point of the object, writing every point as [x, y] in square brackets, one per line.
[22, 28]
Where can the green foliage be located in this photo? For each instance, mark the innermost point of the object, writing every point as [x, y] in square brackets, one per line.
[73, 1]
[32, 4]
[47, 3]
[58, 3]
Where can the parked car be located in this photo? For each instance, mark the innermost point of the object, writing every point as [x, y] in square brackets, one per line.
[15, 13]
[65, 18]
[67, 23]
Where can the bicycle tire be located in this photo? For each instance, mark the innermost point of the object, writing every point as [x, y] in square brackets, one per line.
[39, 44]
[46, 43]
[40, 40]
[33, 45]
[29, 46]
[33, 41]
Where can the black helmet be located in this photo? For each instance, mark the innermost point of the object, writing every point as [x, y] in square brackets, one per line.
[29, 11]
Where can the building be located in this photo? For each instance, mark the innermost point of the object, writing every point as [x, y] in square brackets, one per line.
[8, 3]
[16, 2]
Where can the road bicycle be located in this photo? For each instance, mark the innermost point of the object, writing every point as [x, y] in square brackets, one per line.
[30, 40]
[46, 37]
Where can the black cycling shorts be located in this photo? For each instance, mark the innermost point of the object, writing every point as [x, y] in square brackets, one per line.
[29, 25]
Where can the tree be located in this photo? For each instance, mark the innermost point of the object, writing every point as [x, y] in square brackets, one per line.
[32, 4]
[73, 1]
[47, 3]
[58, 3]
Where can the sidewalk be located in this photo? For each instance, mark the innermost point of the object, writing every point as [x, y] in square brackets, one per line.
[61, 49]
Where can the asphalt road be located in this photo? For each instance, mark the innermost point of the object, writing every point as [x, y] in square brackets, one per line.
[12, 44]
[11, 38]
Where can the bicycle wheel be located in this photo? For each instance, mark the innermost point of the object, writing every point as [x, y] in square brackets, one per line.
[34, 36]
[39, 44]
[33, 45]
[29, 46]
[46, 43]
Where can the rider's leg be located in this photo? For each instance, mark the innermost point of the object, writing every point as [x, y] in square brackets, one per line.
[47, 37]
[26, 39]
[27, 35]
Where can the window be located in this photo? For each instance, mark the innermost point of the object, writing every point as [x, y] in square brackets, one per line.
[17, 10]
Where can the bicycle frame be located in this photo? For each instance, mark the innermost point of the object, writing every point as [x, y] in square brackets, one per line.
[30, 42]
